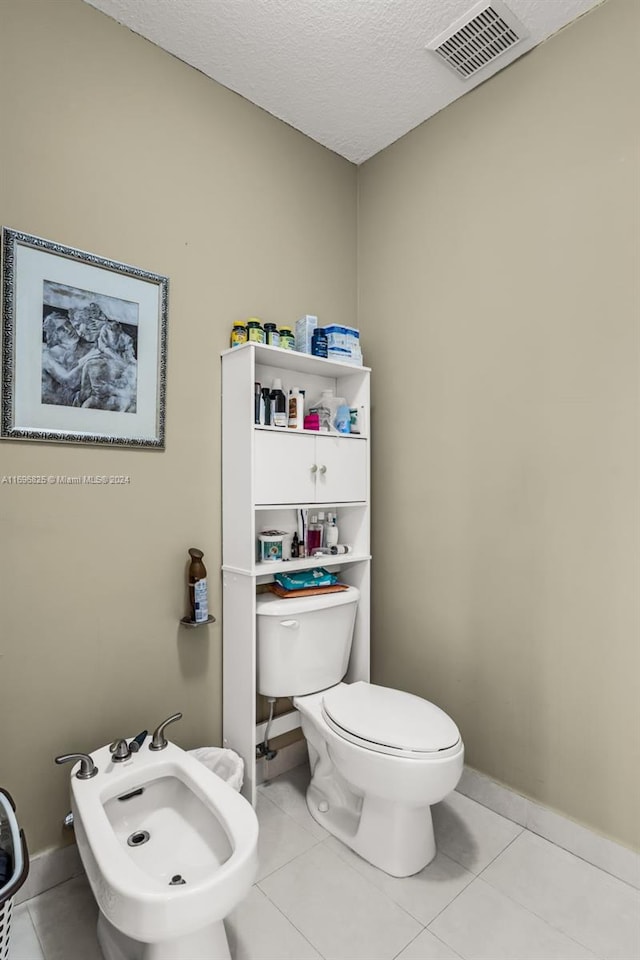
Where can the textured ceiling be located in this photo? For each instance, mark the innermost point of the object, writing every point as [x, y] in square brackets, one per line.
[354, 75]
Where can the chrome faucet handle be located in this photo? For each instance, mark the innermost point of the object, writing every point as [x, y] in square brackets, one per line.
[159, 741]
[87, 769]
[120, 750]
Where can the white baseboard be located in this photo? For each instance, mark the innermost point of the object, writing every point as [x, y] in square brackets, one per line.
[605, 854]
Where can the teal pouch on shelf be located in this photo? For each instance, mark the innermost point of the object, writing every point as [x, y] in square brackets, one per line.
[317, 577]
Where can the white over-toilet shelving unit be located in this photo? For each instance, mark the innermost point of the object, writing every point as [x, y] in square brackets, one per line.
[268, 474]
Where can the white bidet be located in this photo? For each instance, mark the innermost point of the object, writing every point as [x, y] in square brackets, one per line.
[169, 849]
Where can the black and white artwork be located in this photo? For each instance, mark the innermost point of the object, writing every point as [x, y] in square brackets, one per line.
[89, 349]
[84, 346]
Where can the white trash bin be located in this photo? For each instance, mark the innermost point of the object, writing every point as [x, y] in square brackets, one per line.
[226, 764]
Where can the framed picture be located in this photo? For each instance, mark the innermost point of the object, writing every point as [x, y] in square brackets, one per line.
[84, 344]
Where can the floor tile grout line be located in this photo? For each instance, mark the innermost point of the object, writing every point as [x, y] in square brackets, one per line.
[397, 902]
[301, 853]
[356, 873]
[614, 876]
[526, 826]
[370, 883]
[476, 876]
[408, 943]
[35, 925]
[544, 920]
[469, 869]
[446, 907]
[419, 934]
[538, 916]
[290, 921]
[569, 853]
[297, 822]
[504, 849]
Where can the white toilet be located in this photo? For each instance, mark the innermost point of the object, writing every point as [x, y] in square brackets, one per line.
[169, 850]
[379, 757]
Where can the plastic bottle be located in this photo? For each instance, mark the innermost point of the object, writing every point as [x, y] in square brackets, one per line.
[314, 535]
[255, 332]
[322, 523]
[279, 414]
[265, 408]
[272, 337]
[319, 342]
[343, 418]
[331, 531]
[324, 408]
[295, 547]
[198, 587]
[296, 409]
[257, 404]
[238, 334]
[287, 339]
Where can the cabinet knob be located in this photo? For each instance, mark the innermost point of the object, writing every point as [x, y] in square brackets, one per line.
[323, 469]
[314, 468]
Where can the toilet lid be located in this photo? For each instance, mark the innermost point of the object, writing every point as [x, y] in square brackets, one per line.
[389, 718]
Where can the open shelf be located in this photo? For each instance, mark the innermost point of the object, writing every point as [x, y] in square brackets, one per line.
[188, 622]
[268, 568]
[315, 507]
[312, 433]
[300, 362]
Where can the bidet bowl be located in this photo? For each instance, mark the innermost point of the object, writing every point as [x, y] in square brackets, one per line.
[166, 844]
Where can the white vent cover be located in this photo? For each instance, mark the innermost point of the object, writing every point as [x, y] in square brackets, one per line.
[476, 40]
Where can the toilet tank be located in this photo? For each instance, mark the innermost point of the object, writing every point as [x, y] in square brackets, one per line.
[303, 643]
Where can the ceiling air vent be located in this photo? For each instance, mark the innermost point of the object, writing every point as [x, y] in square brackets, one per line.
[476, 40]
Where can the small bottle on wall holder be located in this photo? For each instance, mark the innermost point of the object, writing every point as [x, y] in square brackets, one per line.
[198, 587]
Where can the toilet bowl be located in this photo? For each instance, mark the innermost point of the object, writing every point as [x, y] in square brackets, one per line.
[379, 759]
[169, 850]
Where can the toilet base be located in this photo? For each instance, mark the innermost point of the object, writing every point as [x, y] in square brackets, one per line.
[393, 837]
[209, 943]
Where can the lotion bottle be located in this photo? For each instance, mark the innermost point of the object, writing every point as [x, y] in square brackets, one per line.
[314, 535]
[296, 409]
[279, 416]
[331, 532]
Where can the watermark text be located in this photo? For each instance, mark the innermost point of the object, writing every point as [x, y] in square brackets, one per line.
[56, 480]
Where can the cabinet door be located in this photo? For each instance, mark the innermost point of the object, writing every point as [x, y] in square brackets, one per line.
[283, 467]
[342, 469]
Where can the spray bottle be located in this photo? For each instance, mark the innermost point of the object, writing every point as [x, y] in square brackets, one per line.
[198, 587]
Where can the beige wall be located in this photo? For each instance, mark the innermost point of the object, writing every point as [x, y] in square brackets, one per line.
[110, 145]
[498, 299]
[499, 241]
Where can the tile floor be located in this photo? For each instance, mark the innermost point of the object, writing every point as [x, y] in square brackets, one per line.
[494, 891]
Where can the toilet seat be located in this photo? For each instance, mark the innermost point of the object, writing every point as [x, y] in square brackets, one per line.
[389, 721]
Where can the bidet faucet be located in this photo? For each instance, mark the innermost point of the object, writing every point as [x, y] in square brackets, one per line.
[87, 769]
[159, 741]
[120, 750]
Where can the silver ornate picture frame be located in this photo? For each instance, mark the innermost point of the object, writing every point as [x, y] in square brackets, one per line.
[84, 345]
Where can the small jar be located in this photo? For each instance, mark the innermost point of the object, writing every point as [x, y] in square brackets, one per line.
[272, 337]
[287, 339]
[255, 331]
[238, 334]
[319, 343]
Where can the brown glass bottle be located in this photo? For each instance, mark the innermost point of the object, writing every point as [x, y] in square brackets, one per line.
[198, 587]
